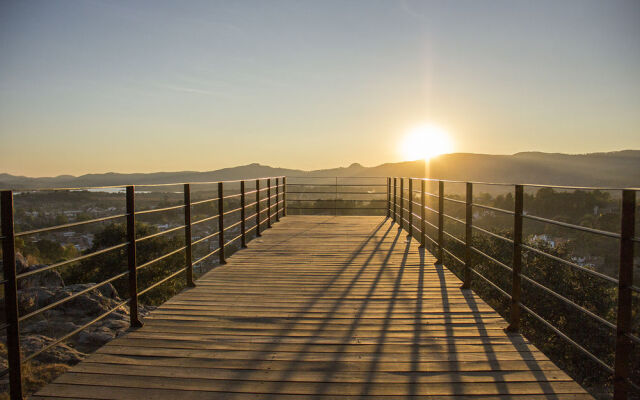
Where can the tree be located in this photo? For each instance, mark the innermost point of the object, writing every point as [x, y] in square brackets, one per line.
[104, 266]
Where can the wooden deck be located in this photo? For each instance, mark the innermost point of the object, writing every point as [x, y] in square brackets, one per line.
[321, 308]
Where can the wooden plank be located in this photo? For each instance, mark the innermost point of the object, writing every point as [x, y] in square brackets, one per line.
[345, 356]
[350, 346]
[268, 375]
[66, 391]
[433, 366]
[323, 307]
[310, 388]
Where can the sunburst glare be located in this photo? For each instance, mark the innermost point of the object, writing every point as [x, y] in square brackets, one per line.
[425, 142]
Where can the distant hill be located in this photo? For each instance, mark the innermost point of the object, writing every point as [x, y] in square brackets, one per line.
[616, 169]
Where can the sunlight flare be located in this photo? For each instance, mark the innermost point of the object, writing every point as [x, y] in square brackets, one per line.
[424, 142]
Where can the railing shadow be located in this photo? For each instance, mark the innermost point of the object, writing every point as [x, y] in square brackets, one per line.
[495, 370]
[361, 289]
[417, 329]
[255, 362]
[377, 353]
[333, 365]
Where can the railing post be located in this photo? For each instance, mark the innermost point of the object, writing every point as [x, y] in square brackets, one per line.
[440, 257]
[268, 203]
[258, 234]
[423, 225]
[388, 197]
[401, 203]
[284, 196]
[395, 199]
[221, 223]
[410, 208]
[11, 295]
[468, 237]
[516, 290]
[131, 258]
[277, 199]
[243, 225]
[187, 234]
[622, 365]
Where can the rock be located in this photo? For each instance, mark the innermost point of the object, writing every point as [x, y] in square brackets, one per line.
[89, 304]
[52, 328]
[120, 314]
[48, 279]
[39, 296]
[60, 353]
[41, 289]
[52, 314]
[108, 291]
[26, 302]
[21, 263]
[95, 338]
[117, 324]
[47, 287]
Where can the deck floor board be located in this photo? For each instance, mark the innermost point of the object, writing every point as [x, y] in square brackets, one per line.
[321, 307]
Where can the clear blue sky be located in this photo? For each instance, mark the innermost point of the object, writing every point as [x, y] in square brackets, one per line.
[136, 86]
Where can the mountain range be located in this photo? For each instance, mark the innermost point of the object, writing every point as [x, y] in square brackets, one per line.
[611, 169]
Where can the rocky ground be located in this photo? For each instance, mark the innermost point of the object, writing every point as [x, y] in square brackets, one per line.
[41, 289]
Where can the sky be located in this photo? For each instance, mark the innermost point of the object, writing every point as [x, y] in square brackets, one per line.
[139, 86]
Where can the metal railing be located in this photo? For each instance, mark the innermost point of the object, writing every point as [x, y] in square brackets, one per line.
[266, 202]
[405, 200]
[336, 195]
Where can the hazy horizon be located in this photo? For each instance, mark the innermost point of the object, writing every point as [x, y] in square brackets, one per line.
[114, 86]
[346, 165]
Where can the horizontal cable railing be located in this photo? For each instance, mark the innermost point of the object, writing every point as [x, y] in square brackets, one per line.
[404, 200]
[337, 195]
[444, 222]
[265, 202]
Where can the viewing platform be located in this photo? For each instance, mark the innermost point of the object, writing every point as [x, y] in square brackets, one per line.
[321, 307]
[325, 287]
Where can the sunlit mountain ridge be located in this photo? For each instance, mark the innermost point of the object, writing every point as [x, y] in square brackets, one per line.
[612, 169]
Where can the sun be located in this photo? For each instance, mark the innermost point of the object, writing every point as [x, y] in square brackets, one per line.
[424, 142]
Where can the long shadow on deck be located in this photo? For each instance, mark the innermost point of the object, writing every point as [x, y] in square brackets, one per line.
[368, 383]
[485, 340]
[269, 347]
[372, 315]
[334, 365]
[518, 343]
